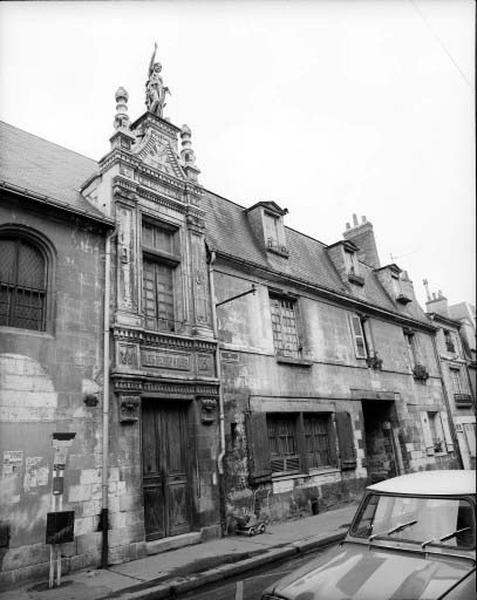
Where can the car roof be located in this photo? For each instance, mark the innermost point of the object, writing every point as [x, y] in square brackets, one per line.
[440, 482]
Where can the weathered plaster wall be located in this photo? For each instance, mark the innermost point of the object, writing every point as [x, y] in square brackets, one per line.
[43, 381]
[250, 368]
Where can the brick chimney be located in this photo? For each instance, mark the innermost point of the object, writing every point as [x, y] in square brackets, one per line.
[362, 235]
[438, 304]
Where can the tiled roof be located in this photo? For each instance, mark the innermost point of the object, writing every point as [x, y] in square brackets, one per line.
[229, 232]
[35, 165]
[46, 169]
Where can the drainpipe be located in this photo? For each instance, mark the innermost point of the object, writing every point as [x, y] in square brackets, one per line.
[220, 458]
[104, 517]
[450, 417]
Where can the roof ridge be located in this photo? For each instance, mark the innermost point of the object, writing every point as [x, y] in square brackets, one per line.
[47, 141]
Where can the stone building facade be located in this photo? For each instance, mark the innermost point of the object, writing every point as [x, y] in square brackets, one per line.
[250, 369]
[454, 341]
[329, 372]
[164, 396]
[52, 245]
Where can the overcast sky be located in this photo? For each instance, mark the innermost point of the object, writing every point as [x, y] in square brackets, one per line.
[327, 108]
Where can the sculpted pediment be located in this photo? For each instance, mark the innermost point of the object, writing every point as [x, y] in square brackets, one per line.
[158, 153]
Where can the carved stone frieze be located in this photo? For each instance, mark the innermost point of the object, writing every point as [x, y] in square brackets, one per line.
[205, 364]
[158, 358]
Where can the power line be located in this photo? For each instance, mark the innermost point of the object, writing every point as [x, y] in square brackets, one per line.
[441, 44]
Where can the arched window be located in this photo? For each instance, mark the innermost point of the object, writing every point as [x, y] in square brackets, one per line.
[23, 283]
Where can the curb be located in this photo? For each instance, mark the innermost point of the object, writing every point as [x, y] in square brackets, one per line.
[182, 585]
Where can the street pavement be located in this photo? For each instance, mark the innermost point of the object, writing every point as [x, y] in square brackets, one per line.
[185, 569]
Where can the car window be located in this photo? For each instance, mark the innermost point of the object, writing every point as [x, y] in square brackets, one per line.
[441, 521]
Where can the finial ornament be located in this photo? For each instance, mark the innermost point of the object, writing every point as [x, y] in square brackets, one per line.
[155, 89]
[187, 153]
[121, 120]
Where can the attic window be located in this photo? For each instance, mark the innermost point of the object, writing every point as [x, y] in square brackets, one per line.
[352, 267]
[397, 289]
[274, 234]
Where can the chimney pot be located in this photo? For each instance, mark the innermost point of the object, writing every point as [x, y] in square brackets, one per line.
[363, 218]
[355, 220]
[348, 226]
[433, 295]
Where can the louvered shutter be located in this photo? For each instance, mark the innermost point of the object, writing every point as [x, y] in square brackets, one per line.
[426, 430]
[447, 433]
[258, 448]
[344, 429]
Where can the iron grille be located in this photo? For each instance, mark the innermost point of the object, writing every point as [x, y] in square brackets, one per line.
[22, 285]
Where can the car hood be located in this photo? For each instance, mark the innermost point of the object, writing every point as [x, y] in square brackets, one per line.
[359, 572]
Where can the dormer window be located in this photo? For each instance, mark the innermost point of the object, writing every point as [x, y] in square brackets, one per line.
[266, 221]
[351, 263]
[450, 346]
[390, 277]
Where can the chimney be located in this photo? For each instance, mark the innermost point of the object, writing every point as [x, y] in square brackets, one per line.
[362, 235]
[438, 304]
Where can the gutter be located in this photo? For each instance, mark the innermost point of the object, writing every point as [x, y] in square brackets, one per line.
[104, 516]
[220, 458]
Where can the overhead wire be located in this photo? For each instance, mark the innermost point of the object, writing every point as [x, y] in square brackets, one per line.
[441, 44]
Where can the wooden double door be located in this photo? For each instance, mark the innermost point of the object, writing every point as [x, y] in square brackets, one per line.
[165, 455]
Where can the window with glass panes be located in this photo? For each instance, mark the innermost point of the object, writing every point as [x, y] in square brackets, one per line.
[23, 281]
[159, 263]
[456, 381]
[284, 327]
[282, 437]
[317, 439]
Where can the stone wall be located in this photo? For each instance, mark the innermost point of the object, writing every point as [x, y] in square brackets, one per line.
[44, 379]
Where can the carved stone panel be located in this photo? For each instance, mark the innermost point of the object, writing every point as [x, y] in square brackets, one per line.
[127, 292]
[208, 410]
[127, 355]
[158, 358]
[200, 282]
[129, 408]
[205, 365]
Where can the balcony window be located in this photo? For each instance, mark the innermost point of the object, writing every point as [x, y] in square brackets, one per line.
[284, 327]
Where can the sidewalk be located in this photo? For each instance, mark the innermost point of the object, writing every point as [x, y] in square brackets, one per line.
[193, 566]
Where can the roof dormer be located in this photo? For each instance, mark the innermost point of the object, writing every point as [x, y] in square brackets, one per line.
[266, 221]
[396, 282]
[344, 255]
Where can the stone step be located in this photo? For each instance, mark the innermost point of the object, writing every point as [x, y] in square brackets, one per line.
[172, 543]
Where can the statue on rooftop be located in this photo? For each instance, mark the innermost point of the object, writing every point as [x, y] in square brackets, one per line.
[155, 89]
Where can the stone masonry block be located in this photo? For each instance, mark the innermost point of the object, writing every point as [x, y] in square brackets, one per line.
[113, 474]
[129, 501]
[91, 508]
[89, 543]
[118, 555]
[121, 487]
[96, 491]
[118, 537]
[16, 558]
[79, 493]
[84, 525]
[90, 477]
[118, 520]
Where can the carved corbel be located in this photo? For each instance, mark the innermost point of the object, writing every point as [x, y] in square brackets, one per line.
[129, 408]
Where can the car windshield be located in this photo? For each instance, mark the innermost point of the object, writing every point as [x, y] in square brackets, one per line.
[424, 521]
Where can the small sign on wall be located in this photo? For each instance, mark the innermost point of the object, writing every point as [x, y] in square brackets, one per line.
[60, 527]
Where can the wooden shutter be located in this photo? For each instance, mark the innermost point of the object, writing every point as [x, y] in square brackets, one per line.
[447, 433]
[358, 336]
[344, 429]
[259, 464]
[426, 430]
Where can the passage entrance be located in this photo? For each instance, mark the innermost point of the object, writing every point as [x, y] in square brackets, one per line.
[382, 443]
[165, 469]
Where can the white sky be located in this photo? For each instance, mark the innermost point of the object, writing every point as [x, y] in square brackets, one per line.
[327, 107]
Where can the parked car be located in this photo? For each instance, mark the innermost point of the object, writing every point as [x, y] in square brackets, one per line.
[413, 537]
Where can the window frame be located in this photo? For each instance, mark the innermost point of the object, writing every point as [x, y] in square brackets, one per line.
[170, 259]
[47, 251]
[281, 352]
[299, 457]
